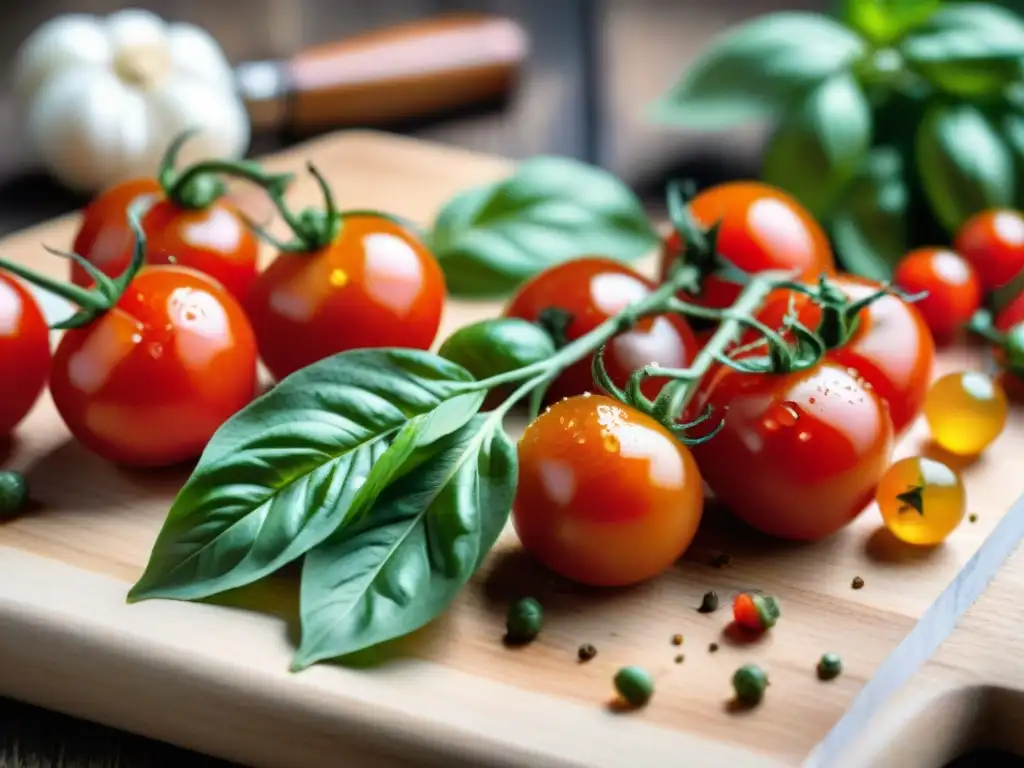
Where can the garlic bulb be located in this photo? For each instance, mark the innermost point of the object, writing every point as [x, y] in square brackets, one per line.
[100, 98]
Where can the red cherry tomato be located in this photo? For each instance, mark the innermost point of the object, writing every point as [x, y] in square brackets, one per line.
[761, 228]
[954, 291]
[213, 240]
[148, 382]
[606, 495]
[376, 285]
[891, 348]
[593, 289]
[993, 242]
[24, 352]
[799, 454]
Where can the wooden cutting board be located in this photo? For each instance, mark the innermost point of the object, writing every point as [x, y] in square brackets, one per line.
[214, 677]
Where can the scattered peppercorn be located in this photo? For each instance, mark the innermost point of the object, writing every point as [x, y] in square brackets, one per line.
[679, 658]
[525, 619]
[972, 518]
[755, 612]
[749, 682]
[586, 652]
[721, 560]
[635, 685]
[13, 493]
[829, 666]
[709, 603]
[677, 639]
[857, 583]
[712, 647]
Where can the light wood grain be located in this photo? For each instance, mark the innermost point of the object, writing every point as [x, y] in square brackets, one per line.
[214, 679]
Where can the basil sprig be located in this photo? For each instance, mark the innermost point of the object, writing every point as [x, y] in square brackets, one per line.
[940, 84]
[490, 239]
[375, 469]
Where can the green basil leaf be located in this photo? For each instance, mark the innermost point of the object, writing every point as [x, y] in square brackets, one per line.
[818, 146]
[1011, 130]
[310, 455]
[758, 69]
[968, 49]
[402, 565]
[497, 345]
[963, 163]
[885, 21]
[490, 239]
[868, 227]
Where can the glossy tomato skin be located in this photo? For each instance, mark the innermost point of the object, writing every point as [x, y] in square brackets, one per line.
[761, 228]
[606, 495]
[952, 285]
[24, 352]
[799, 455]
[148, 382]
[593, 289]
[213, 240]
[891, 348]
[993, 242]
[376, 285]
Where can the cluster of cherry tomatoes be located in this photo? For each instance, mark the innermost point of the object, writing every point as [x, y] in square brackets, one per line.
[149, 378]
[606, 495]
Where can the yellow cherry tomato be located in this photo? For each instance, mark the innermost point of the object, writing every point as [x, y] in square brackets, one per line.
[921, 500]
[965, 411]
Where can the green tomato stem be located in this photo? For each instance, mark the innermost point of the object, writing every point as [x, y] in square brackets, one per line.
[104, 296]
[200, 185]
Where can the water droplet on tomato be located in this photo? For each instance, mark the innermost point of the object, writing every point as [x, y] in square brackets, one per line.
[156, 350]
[136, 338]
[804, 437]
[788, 415]
[810, 400]
[586, 394]
[770, 424]
[582, 440]
[611, 443]
[561, 420]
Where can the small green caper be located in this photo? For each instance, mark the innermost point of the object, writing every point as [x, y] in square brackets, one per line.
[525, 619]
[829, 666]
[13, 493]
[749, 682]
[635, 685]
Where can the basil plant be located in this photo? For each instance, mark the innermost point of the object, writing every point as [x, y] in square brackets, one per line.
[892, 121]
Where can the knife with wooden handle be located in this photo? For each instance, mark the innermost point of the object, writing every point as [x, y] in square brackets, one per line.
[400, 72]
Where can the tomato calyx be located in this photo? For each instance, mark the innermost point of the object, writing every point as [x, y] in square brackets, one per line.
[840, 315]
[698, 245]
[106, 291]
[200, 185]
[912, 499]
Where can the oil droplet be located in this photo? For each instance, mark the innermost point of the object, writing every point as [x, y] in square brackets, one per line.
[611, 443]
[572, 423]
[804, 437]
[338, 278]
[582, 440]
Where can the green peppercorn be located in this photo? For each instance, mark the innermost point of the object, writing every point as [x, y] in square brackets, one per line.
[13, 493]
[829, 666]
[749, 682]
[634, 685]
[525, 619]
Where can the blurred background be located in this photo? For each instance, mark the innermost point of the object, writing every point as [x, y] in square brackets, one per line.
[592, 68]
